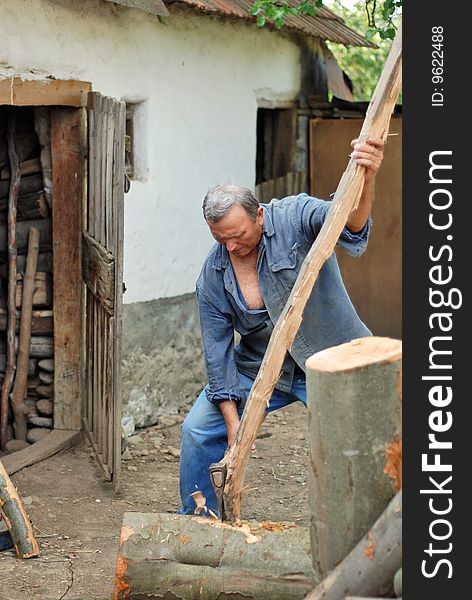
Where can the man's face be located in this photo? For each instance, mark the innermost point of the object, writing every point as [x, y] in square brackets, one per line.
[237, 232]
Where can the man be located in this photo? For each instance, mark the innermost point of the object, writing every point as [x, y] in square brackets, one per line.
[243, 286]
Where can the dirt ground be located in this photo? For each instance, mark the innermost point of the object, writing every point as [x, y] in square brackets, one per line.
[77, 517]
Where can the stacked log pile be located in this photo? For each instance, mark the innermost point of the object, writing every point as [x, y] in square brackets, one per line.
[26, 280]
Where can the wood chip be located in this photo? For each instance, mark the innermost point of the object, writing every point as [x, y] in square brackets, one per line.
[271, 526]
[369, 551]
[250, 537]
[200, 502]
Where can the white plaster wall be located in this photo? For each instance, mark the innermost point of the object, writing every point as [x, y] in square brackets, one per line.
[200, 80]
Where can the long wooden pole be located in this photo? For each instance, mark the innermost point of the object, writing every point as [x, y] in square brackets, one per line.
[12, 251]
[24, 344]
[233, 466]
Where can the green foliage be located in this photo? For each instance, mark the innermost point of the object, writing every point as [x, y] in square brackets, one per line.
[375, 19]
[363, 65]
[381, 17]
[380, 14]
[275, 11]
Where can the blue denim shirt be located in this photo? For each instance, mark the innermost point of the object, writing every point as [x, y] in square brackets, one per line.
[290, 227]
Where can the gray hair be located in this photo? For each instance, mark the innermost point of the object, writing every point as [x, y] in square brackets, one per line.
[221, 199]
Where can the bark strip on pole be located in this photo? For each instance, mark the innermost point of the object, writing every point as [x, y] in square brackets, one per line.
[24, 344]
[347, 196]
[354, 417]
[16, 518]
[12, 252]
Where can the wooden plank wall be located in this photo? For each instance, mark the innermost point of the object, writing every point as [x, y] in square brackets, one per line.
[276, 143]
[373, 280]
[283, 142]
[103, 275]
[288, 185]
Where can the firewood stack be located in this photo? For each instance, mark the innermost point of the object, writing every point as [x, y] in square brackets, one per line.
[26, 297]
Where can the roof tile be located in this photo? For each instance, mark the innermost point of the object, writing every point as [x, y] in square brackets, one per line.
[325, 25]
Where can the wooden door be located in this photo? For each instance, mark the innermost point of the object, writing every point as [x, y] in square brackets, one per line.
[102, 268]
[373, 280]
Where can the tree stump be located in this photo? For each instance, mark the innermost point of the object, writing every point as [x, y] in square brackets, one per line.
[354, 442]
[198, 558]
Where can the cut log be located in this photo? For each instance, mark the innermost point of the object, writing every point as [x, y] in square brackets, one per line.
[45, 391]
[24, 344]
[15, 446]
[45, 240]
[32, 206]
[42, 290]
[354, 417]
[369, 569]
[41, 346]
[44, 264]
[36, 434]
[27, 167]
[11, 246]
[32, 363]
[38, 421]
[16, 518]
[42, 322]
[45, 407]
[226, 562]
[47, 365]
[28, 185]
[32, 383]
[30, 408]
[46, 377]
[228, 475]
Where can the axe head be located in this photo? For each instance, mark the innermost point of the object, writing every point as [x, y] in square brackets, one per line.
[218, 473]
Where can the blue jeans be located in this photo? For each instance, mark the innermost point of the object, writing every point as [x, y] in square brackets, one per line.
[204, 441]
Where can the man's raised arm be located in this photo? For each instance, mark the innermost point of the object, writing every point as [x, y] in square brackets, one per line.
[370, 156]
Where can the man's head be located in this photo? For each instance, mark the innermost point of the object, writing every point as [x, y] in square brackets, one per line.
[234, 217]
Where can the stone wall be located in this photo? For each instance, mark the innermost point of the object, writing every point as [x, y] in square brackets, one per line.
[163, 370]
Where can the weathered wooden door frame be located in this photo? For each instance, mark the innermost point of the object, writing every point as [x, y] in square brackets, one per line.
[69, 147]
[67, 121]
[102, 268]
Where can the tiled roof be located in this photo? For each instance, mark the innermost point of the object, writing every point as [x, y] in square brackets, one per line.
[325, 25]
[155, 7]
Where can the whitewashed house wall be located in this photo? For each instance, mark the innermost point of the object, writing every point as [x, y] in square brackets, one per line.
[199, 81]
